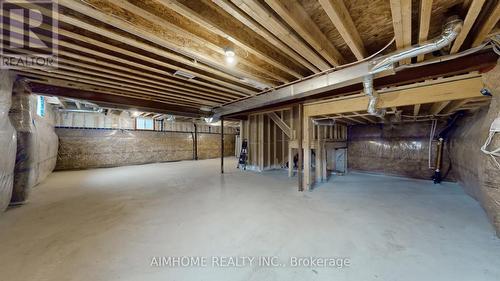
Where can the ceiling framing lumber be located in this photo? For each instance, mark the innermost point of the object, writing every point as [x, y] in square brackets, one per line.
[488, 25]
[261, 15]
[341, 19]
[144, 34]
[470, 19]
[437, 107]
[77, 77]
[231, 9]
[294, 15]
[139, 104]
[235, 32]
[425, 21]
[455, 90]
[73, 65]
[401, 20]
[136, 44]
[454, 105]
[189, 37]
[98, 89]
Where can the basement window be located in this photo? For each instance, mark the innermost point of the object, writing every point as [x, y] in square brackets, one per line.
[142, 123]
[40, 106]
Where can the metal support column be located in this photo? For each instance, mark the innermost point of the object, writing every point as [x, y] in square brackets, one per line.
[222, 145]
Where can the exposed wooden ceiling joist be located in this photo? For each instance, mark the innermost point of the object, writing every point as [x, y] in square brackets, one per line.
[134, 43]
[424, 23]
[401, 19]
[115, 100]
[341, 19]
[488, 25]
[294, 15]
[264, 17]
[142, 33]
[218, 23]
[470, 19]
[217, 56]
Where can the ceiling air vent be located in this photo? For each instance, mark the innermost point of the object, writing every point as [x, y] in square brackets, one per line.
[183, 74]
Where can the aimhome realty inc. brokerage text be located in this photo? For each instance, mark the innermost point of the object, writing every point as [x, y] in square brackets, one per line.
[249, 261]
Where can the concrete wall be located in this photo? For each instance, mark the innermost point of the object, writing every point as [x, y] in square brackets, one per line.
[36, 141]
[394, 149]
[474, 170]
[95, 148]
[8, 140]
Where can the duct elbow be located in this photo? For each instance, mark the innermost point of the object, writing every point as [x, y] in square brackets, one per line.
[373, 97]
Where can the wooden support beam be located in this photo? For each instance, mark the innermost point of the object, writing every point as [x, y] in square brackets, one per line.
[425, 20]
[306, 146]
[401, 20]
[260, 144]
[488, 25]
[447, 91]
[294, 14]
[470, 19]
[278, 121]
[319, 152]
[341, 19]
[437, 107]
[114, 100]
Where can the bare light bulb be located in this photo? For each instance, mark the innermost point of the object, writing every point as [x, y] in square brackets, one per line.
[230, 56]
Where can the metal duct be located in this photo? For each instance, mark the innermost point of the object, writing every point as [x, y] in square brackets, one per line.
[373, 97]
[450, 31]
[341, 77]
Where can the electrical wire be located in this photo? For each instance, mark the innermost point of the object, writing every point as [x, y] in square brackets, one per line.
[493, 153]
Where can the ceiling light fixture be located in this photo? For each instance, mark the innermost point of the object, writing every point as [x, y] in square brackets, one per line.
[230, 56]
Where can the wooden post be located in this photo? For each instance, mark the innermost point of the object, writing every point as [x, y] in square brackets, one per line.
[319, 154]
[300, 150]
[222, 145]
[307, 133]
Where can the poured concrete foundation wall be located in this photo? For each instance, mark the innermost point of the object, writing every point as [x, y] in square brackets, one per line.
[8, 140]
[395, 149]
[37, 142]
[474, 170]
[96, 148]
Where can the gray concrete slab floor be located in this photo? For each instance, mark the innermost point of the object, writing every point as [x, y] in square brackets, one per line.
[108, 224]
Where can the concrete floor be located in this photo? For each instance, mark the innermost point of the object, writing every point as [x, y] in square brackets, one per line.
[107, 224]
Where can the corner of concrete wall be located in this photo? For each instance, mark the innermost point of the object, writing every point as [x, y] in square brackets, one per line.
[474, 170]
